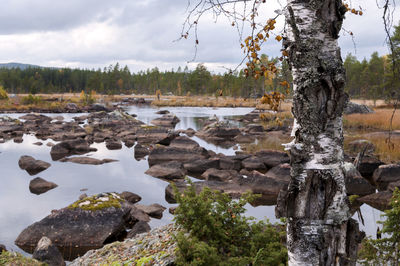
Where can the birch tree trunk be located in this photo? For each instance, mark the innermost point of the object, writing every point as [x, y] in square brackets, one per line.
[319, 231]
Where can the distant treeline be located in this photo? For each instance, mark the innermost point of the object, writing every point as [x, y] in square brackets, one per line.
[116, 80]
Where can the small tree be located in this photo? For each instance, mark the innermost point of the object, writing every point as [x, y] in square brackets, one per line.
[385, 251]
[3, 93]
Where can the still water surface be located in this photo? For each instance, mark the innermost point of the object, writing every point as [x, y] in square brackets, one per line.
[19, 208]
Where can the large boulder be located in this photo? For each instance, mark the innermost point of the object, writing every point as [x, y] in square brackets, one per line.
[167, 120]
[154, 210]
[31, 165]
[218, 131]
[84, 225]
[354, 108]
[200, 166]
[273, 158]
[162, 154]
[380, 200]
[184, 142]
[70, 147]
[355, 183]
[386, 174]
[213, 174]
[253, 163]
[48, 253]
[170, 170]
[39, 186]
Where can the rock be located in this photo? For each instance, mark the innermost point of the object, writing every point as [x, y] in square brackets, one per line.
[253, 163]
[140, 152]
[162, 112]
[86, 224]
[18, 139]
[393, 185]
[130, 197]
[272, 158]
[254, 129]
[241, 138]
[154, 210]
[190, 132]
[218, 131]
[139, 228]
[386, 174]
[162, 154]
[31, 165]
[354, 108]
[48, 253]
[368, 165]
[138, 215]
[82, 196]
[153, 134]
[2, 248]
[280, 173]
[87, 160]
[200, 166]
[183, 142]
[355, 183]
[380, 200]
[158, 242]
[70, 147]
[39, 186]
[98, 108]
[71, 107]
[168, 120]
[113, 145]
[357, 146]
[50, 144]
[170, 170]
[38, 143]
[213, 174]
[230, 163]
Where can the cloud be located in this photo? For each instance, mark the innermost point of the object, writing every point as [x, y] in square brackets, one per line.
[141, 34]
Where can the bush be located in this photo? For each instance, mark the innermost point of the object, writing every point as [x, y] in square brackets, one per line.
[87, 98]
[217, 233]
[3, 93]
[385, 250]
[31, 99]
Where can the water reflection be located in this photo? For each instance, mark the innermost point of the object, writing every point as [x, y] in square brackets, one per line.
[19, 208]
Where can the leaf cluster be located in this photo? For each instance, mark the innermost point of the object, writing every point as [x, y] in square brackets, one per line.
[217, 232]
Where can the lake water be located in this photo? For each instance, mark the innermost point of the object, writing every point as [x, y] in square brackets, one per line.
[19, 208]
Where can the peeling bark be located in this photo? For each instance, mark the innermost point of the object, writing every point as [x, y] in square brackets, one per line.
[319, 228]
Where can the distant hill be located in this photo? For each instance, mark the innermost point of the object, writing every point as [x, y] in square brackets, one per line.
[18, 65]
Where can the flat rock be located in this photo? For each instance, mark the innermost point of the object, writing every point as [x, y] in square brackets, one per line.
[213, 174]
[167, 120]
[183, 142]
[87, 160]
[39, 186]
[163, 154]
[113, 144]
[272, 158]
[31, 165]
[170, 170]
[253, 163]
[154, 210]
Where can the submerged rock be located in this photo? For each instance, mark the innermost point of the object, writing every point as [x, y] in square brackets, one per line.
[39, 186]
[31, 165]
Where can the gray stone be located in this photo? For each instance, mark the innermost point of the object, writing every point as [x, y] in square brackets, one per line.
[139, 228]
[154, 210]
[170, 170]
[31, 165]
[48, 253]
[39, 186]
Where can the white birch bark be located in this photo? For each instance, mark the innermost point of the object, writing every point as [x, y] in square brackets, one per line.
[319, 231]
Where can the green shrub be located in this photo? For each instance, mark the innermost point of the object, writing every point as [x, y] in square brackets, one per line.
[217, 233]
[31, 99]
[384, 251]
[3, 93]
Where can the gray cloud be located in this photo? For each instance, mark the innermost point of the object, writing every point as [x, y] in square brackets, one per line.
[95, 33]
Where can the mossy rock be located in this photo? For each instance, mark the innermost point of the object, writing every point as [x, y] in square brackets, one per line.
[98, 202]
[16, 259]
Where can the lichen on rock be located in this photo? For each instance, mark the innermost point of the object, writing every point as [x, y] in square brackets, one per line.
[98, 202]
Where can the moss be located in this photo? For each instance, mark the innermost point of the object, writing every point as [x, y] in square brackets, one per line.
[13, 258]
[144, 261]
[95, 203]
[353, 198]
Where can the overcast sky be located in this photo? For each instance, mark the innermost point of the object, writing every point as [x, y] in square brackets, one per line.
[141, 34]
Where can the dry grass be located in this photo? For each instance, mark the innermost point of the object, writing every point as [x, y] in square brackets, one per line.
[379, 120]
[205, 101]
